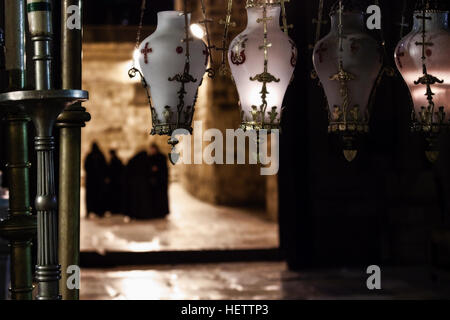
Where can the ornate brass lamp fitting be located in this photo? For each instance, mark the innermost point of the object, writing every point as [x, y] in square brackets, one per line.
[264, 78]
[430, 120]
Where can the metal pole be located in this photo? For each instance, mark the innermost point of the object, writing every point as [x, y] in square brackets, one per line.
[15, 43]
[47, 269]
[41, 30]
[19, 209]
[20, 226]
[70, 123]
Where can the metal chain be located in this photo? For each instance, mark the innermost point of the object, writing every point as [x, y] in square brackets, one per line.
[227, 23]
[319, 22]
[138, 34]
[403, 23]
[389, 70]
[285, 26]
[187, 38]
[386, 69]
[341, 30]
[205, 21]
[264, 77]
[134, 71]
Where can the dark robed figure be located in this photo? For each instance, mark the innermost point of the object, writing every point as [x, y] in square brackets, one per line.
[115, 181]
[96, 175]
[146, 185]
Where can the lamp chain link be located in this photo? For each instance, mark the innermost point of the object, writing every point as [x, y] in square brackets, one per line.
[138, 34]
[227, 23]
[134, 71]
[386, 69]
[319, 21]
[286, 26]
[403, 23]
[205, 22]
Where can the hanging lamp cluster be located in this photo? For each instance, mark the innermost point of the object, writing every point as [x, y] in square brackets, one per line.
[171, 64]
[350, 65]
[348, 62]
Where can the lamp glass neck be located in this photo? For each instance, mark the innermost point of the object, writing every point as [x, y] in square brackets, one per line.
[351, 21]
[439, 20]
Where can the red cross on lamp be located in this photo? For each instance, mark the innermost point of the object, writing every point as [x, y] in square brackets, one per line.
[145, 52]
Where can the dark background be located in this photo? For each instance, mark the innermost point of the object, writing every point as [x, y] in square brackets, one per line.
[122, 12]
[381, 208]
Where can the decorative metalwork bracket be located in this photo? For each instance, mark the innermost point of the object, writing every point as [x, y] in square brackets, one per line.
[430, 121]
[265, 77]
[342, 124]
[185, 77]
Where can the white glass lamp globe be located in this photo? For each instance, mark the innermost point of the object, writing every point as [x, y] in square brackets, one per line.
[162, 61]
[348, 61]
[246, 59]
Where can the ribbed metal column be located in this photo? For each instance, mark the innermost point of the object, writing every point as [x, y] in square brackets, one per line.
[47, 269]
[20, 226]
[70, 121]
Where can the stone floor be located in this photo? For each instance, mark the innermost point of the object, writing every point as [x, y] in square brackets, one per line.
[252, 281]
[192, 225]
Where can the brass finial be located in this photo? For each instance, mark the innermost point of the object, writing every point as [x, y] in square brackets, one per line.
[350, 155]
[264, 77]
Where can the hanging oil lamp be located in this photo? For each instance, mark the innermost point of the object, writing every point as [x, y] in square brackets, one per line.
[347, 62]
[422, 59]
[262, 60]
[171, 63]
